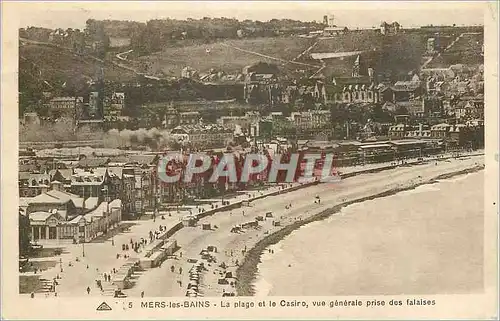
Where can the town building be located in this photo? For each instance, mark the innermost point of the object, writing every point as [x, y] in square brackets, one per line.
[66, 205]
[189, 118]
[311, 119]
[203, 136]
[93, 184]
[431, 45]
[407, 90]
[33, 184]
[31, 119]
[389, 29]
[114, 105]
[64, 106]
[357, 88]
[398, 131]
[334, 31]
[261, 84]
[50, 227]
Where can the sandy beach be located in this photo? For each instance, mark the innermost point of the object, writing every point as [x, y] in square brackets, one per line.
[241, 252]
[421, 241]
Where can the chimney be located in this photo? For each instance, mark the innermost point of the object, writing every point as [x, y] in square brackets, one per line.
[420, 129]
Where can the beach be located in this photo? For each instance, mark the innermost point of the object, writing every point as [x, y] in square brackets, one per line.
[428, 240]
[241, 252]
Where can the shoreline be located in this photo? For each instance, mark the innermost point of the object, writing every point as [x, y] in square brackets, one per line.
[247, 272]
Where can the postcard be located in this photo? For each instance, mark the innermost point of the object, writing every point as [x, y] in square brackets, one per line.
[249, 160]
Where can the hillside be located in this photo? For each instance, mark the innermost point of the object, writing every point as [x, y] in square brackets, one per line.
[393, 56]
[467, 50]
[225, 55]
[48, 68]
[56, 65]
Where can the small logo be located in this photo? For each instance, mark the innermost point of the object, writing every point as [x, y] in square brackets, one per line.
[104, 307]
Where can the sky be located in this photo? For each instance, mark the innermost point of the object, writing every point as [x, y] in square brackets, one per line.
[351, 14]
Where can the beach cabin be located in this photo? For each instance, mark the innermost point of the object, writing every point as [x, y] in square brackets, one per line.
[212, 248]
[236, 229]
[189, 221]
[251, 224]
[206, 226]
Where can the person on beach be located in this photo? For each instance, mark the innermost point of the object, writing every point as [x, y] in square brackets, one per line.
[180, 270]
[172, 268]
[88, 290]
[142, 294]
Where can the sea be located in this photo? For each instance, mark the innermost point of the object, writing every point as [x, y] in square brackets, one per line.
[428, 240]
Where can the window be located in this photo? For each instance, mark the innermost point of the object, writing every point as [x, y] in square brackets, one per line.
[42, 233]
[363, 96]
[356, 95]
[370, 95]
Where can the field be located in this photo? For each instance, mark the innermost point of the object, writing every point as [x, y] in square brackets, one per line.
[224, 56]
[394, 55]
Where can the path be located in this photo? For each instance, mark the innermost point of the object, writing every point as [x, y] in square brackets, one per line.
[428, 61]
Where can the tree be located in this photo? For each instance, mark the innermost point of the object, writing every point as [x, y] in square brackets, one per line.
[24, 235]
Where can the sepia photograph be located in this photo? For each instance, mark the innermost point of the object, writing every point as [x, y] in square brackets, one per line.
[253, 150]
